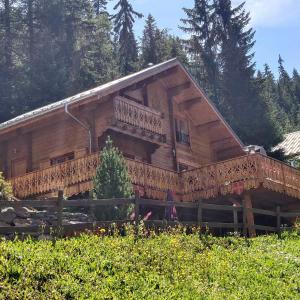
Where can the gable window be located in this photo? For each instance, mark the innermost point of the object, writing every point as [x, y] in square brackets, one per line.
[62, 158]
[182, 131]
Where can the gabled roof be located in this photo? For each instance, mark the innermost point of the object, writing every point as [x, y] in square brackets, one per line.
[100, 90]
[290, 145]
[110, 88]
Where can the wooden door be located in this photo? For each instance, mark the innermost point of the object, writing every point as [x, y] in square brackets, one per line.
[18, 167]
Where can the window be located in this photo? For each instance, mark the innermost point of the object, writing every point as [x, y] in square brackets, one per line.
[62, 158]
[182, 131]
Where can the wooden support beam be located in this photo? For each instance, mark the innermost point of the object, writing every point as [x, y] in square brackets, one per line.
[229, 149]
[176, 90]
[209, 125]
[187, 104]
[145, 95]
[29, 152]
[248, 213]
[173, 132]
[228, 139]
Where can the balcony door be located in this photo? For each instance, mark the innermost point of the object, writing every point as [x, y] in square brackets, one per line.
[18, 167]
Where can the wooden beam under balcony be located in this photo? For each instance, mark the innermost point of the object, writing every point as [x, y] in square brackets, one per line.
[187, 104]
[176, 90]
[221, 141]
[229, 149]
[209, 125]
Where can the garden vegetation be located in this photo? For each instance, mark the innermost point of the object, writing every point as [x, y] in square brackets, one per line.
[170, 265]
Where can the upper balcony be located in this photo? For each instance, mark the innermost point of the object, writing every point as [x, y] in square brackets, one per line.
[138, 120]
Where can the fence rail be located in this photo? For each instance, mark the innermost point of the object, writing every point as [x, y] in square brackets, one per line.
[59, 204]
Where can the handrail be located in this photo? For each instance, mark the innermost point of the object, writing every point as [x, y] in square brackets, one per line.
[225, 177]
[137, 115]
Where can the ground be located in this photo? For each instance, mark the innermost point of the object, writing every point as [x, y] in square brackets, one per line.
[166, 266]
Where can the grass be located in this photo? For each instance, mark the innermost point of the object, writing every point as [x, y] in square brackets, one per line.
[166, 266]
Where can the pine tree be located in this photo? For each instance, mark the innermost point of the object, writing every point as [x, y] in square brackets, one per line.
[112, 181]
[150, 43]
[241, 102]
[100, 6]
[158, 45]
[269, 95]
[200, 25]
[285, 93]
[126, 43]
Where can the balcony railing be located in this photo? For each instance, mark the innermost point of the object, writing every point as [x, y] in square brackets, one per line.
[137, 115]
[239, 174]
[229, 177]
[76, 176]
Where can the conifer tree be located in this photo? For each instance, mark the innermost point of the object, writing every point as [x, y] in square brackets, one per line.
[150, 43]
[200, 25]
[285, 92]
[99, 6]
[126, 43]
[241, 103]
[158, 45]
[269, 95]
[112, 181]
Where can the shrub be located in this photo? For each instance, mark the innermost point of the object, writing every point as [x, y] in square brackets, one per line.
[6, 192]
[112, 181]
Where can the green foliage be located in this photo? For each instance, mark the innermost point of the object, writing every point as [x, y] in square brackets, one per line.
[6, 192]
[55, 49]
[127, 48]
[112, 181]
[158, 45]
[165, 266]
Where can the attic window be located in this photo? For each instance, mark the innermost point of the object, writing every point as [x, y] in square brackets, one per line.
[62, 158]
[182, 131]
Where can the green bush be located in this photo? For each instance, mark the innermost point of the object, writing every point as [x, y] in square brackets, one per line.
[112, 181]
[6, 192]
[166, 266]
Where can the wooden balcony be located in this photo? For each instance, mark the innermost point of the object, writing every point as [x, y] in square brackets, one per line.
[240, 174]
[138, 120]
[231, 177]
[76, 176]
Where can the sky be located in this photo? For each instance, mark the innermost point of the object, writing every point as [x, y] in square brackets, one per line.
[276, 22]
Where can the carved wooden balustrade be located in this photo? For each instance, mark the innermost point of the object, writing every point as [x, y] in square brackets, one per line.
[239, 174]
[75, 176]
[228, 177]
[137, 115]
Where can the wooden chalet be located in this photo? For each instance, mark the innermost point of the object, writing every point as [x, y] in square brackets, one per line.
[172, 136]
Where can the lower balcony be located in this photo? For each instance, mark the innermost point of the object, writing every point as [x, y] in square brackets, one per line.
[224, 179]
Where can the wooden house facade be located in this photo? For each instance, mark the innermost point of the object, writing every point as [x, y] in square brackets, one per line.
[171, 135]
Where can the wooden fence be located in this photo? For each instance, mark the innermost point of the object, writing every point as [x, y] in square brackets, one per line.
[58, 204]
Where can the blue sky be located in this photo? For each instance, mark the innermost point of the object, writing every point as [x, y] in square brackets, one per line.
[277, 25]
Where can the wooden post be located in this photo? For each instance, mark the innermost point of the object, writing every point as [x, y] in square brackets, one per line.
[92, 206]
[278, 223]
[199, 215]
[245, 227]
[136, 212]
[60, 199]
[173, 131]
[235, 218]
[249, 217]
